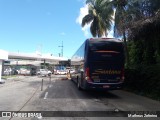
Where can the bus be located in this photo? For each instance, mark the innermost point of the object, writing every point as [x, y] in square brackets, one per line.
[99, 64]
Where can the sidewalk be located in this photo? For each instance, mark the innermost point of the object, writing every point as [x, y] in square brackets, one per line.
[8, 79]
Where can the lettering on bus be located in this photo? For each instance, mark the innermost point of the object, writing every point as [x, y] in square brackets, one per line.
[110, 72]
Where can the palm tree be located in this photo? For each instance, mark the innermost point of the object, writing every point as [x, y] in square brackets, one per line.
[119, 6]
[100, 14]
[100, 21]
[120, 22]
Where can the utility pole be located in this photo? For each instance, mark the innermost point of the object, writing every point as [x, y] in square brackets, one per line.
[61, 49]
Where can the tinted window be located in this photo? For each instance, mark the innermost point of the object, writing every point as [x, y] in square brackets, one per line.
[106, 50]
[106, 46]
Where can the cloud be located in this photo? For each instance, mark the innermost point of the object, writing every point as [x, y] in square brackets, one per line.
[83, 12]
[86, 30]
[110, 34]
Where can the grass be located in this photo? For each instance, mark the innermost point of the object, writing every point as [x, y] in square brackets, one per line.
[9, 76]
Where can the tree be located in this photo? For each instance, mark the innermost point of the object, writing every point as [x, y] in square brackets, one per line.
[101, 12]
[126, 11]
[127, 14]
[100, 21]
[145, 30]
[120, 22]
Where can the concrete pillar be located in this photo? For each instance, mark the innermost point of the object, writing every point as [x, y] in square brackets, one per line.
[3, 56]
[0, 70]
[44, 64]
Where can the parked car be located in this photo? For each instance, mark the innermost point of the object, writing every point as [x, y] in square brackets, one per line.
[33, 71]
[10, 71]
[49, 72]
[44, 72]
[61, 72]
[24, 71]
[7, 71]
[14, 71]
[72, 71]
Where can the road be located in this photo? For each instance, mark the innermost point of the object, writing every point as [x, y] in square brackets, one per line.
[59, 94]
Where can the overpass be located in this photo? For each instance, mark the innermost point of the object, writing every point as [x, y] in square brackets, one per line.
[34, 56]
[4, 55]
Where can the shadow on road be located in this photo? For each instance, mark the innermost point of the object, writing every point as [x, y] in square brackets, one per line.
[102, 94]
[67, 89]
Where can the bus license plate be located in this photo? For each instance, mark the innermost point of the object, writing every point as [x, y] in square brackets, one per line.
[106, 86]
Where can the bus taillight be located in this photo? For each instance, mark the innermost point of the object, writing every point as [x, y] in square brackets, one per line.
[87, 74]
[122, 75]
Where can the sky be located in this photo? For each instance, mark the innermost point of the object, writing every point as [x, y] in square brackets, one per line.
[28, 26]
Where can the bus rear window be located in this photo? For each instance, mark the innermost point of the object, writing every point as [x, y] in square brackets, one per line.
[106, 50]
[106, 46]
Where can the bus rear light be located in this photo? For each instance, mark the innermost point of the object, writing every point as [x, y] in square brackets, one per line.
[87, 78]
[122, 75]
[123, 78]
[87, 71]
[87, 74]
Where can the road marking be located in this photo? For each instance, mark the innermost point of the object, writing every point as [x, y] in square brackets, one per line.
[46, 94]
[96, 100]
[50, 86]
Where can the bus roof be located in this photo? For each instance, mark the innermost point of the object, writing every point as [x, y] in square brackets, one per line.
[106, 39]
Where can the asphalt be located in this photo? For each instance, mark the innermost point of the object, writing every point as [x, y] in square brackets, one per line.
[60, 94]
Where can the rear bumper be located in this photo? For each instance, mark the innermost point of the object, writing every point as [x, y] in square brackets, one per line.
[103, 86]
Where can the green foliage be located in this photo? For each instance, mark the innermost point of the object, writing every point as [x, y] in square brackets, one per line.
[99, 17]
[144, 80]
[139, 21]
[132, 52]
[9, 76]
[143, 75]
[135, 52]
